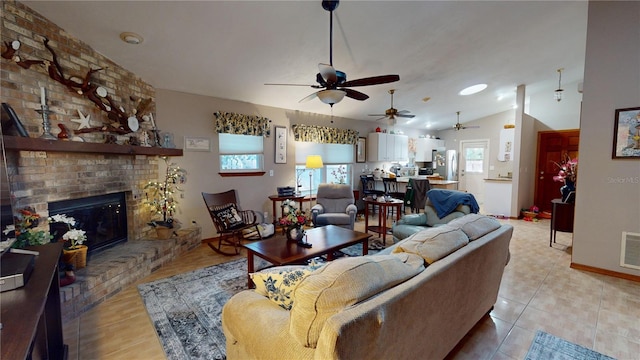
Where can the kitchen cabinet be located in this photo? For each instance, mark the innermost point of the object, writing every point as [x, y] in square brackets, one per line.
[425, 147]
[387, 147]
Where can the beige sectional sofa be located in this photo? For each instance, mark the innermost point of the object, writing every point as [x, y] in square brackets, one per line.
[414, 300]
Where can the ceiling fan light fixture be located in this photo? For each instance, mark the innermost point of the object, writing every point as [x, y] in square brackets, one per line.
[473, 89]
[557, 94]
[331, 96]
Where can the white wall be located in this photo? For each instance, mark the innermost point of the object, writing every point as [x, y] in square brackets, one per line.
[608, 191]
[186, 114]
[556, 115]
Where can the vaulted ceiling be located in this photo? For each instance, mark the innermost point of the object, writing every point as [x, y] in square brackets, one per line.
[230, 49]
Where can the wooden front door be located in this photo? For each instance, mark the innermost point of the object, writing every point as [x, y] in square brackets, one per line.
[552, 147]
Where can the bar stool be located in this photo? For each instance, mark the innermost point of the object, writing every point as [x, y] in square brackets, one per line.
[369, 188]
[391, 189]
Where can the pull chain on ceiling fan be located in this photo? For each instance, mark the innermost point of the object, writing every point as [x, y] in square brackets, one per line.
[391, 113]
[334, 82]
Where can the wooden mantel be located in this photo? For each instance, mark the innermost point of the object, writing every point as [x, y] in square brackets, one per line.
[37, 144]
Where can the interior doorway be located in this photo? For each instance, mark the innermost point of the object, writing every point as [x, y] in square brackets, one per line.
[553, 146]
[474, 168]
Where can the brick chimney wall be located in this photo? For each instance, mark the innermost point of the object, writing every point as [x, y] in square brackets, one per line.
[40, 177]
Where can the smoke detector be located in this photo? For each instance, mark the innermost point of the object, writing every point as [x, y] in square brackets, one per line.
[131, 38]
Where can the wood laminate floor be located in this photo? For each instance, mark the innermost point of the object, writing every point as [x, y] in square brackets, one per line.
[539, 291]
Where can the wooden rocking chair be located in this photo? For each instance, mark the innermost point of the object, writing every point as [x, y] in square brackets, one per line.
[230, 221]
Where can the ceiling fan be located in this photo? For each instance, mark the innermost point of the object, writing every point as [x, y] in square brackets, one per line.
[334, 82]
[459, 126]
[392, 112]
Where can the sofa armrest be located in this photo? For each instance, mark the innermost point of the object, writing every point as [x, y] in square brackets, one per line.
[413, 219]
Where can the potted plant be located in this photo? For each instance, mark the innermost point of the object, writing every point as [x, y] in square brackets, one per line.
[75, 253]
[26, 229]
[160, 195]
[292, 220]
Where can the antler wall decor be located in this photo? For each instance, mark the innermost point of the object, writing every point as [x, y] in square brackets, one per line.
[97, 94]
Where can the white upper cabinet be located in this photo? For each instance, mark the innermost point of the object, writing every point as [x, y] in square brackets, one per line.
[387, 147]
[425, 147]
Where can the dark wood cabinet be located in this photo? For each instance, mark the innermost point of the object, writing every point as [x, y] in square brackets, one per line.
[31, 317]
[561, 218]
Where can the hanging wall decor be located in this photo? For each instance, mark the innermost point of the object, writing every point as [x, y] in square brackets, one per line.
[626, 134]
[281, 145]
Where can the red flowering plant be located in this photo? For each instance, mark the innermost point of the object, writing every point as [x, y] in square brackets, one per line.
[291, 215]
[568, 170]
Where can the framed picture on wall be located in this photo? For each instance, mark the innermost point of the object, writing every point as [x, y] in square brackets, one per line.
[281, 145]
[626, 134]
[361, 150]
[193, 143]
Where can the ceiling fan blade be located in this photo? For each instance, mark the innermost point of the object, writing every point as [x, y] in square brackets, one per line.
[384, 117]
[355, 94]
[471, 127]
[328, 73]
[374, 80]
[378, 115]
[313, 86]
[402, 111]
[405, 116]
[310, 97]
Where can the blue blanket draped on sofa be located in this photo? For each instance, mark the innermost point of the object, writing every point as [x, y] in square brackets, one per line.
[446, 201]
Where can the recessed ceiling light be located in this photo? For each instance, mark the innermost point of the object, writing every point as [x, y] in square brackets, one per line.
[473, 89]
[131, 38]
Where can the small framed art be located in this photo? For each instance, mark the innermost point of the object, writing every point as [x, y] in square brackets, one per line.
[626, 134]
[281, 145]
[192, 143]
[361, 150]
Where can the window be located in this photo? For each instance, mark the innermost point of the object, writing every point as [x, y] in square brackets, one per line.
[337, 159]
[240, 153]
[330, 173]
[474, 160]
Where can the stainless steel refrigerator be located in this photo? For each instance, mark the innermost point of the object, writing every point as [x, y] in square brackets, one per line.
[446, 164]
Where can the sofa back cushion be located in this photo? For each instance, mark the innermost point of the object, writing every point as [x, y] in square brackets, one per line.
[342, 283]
[433, 244]
[432, 214]
[475, 225]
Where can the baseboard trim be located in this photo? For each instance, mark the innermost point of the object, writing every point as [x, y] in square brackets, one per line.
[596, 270]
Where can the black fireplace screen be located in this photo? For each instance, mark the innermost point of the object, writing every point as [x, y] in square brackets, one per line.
[103, 217]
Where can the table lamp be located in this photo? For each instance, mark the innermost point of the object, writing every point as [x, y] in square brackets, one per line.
[313, 162]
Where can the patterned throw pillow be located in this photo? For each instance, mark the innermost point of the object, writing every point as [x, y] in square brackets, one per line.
[277, 283]
[228, 216]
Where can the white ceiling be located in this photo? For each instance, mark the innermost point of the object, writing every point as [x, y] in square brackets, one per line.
[230, 49]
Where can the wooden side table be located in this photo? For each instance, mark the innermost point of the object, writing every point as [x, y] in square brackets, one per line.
[561, 218]
[276, 198]
[381, 228]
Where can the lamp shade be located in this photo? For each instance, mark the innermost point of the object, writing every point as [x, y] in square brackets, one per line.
[314, 162]
[331, 96]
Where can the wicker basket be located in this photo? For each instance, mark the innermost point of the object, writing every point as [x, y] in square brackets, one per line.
[76, 257]
[529, 214]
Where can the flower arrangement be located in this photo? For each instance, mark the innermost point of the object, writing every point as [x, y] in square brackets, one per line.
[568, 170]
[25, 226]
[291, 215]
[160, 195]
[75, 237]
[340, 174]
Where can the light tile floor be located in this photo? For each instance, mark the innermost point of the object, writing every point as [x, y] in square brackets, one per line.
[539, 291]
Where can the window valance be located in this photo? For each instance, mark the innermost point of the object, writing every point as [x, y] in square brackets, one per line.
[324, 134]
[240, 124]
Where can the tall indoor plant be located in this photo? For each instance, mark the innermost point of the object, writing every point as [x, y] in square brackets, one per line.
[161, 196]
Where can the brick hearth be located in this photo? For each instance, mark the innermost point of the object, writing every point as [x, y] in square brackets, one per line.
[111, 270]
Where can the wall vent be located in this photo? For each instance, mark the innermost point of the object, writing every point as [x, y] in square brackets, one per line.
[630, 250]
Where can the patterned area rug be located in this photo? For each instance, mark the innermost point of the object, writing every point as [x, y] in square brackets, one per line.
[548, 347]
[185, 309]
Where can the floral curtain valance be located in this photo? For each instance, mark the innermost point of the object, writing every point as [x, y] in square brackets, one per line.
[240, 124]
[324, 134]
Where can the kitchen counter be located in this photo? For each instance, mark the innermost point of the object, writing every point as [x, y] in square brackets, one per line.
[499, 179]
[434, 181]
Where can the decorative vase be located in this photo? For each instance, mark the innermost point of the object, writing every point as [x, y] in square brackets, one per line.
[566, 190]
[76, 257]
[163, 232]
[295, 233]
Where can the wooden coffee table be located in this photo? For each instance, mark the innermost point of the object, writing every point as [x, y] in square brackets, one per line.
[326, 240]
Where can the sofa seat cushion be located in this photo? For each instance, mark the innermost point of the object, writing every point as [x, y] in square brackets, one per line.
[475, 225]
[401, 231]
[432, 215]
[342, 283]
[433, 244]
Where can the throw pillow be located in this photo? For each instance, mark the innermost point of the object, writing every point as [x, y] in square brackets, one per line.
[228, 216]
[433, 243]
[343, 283]
[475, 225]
[277, 283]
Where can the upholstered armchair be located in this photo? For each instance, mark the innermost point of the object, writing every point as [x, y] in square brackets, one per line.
[335, 206]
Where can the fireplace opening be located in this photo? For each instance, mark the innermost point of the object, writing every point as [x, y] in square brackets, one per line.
[103, 217]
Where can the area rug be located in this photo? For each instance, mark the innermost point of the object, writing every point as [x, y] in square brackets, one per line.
[548, 347]
[185, 309]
